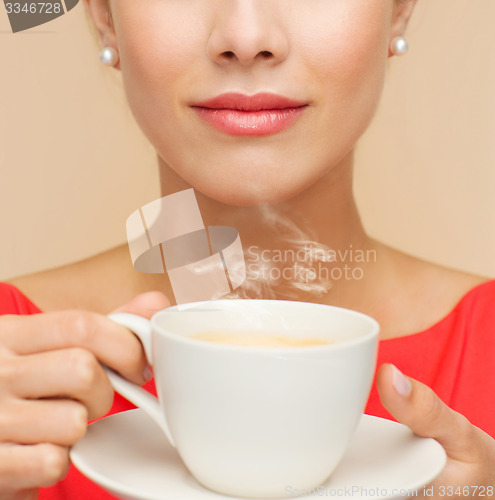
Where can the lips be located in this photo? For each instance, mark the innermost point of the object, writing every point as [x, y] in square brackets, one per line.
[260, 114]
[257, 102]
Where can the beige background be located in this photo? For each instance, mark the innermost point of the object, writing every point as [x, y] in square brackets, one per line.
[73, 164]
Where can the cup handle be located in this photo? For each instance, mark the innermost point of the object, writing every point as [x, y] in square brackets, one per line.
[141, 327]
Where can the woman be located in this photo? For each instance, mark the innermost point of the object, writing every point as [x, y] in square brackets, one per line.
[256, 170]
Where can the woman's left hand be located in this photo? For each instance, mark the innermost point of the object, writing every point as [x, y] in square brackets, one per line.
[470, 468]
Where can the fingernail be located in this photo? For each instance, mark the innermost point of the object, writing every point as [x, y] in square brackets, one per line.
[148, 374]
[401, 383]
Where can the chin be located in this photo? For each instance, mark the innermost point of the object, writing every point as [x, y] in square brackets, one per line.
[249, 194]
[251, 182]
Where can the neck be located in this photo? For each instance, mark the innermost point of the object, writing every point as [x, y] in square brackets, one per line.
[311, 247]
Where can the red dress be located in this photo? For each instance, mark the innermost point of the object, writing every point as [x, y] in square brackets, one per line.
[455, 357]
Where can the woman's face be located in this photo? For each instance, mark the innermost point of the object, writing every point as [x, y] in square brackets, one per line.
[327, 54]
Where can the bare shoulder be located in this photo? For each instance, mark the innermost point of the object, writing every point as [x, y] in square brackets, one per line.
[97, 283]
[443, 281]
[431, 277]
[431, 293]
[443, 289]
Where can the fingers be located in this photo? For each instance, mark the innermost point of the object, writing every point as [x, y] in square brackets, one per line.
[31, 494]
[417, 406]
[39, 376]
[61, 422]
[26, 467]
[111, 343]
[52, 382]
[145, 304]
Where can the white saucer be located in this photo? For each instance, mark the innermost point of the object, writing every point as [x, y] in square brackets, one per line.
[128, 455]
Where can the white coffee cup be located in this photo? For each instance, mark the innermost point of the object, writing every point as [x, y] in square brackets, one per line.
[249, 420]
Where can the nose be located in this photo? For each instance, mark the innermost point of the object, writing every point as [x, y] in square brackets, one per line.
[245, 31]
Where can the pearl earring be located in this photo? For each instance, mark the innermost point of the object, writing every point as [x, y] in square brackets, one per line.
[399, 46]
[109, 56]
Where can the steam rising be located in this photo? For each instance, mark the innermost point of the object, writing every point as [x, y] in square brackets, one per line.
[268, 278]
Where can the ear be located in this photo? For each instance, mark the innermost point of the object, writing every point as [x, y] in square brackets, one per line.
[101, 15]
[402, 13]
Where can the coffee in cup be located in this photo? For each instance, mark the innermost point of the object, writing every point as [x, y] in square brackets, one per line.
[257, 339]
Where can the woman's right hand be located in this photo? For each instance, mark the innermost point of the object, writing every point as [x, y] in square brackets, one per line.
[52, 383]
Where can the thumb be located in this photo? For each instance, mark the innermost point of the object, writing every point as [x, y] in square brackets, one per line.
[145, 304]
[417, 406]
